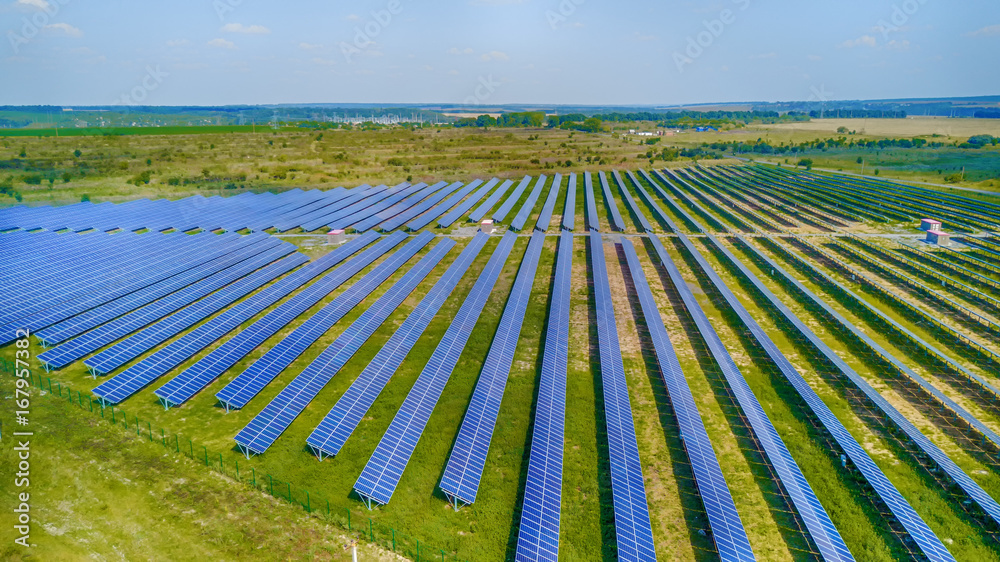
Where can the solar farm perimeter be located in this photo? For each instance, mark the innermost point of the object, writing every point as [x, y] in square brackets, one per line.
[736, 362]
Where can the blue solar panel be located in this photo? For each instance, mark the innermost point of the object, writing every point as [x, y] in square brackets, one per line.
[545, 217]
[220, 359]
[480, 212]
[331, 434]
[190, 382]
[569, 210]
[890, 496]
[119, 388]
[609, 200]
[643, 222]
[464, 206]
[362, 218]
[424, 206]
[593, 223]
[381, 474]
[460, 481]
[538, 534]
[393, 207]
[272, 421]
[425, 218]
[727, 529]
[633, 532]
[500, 214]
[529, 205]
[261, 372]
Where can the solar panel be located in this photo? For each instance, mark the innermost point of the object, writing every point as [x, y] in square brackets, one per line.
[500, 214]
[480, 212]
[633, 532]
[728, 532]
[212, 365]
[609, 200]
[593, 223]
[261, 372]
[381, 474]
[423, 219]
[538, 533]
[119, 388]
[569, 210]
[529, 205]
[357, 219]
[267, 425]
[425, 205]
[464, 206]
[331, 434]
[545, 217]
[639, 216]
[460, 481]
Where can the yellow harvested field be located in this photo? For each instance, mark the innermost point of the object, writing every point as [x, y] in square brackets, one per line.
[909, 127]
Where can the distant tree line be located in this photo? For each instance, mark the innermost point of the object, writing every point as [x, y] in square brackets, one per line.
[858, 114]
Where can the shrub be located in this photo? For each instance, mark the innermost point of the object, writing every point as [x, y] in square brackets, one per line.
[33, 179]
[807, 163]
[66, 176]
[77, 153]
[84, 198]
[173, 181]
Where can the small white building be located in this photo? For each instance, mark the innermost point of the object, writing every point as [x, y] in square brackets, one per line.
[930, 224]
[487, 226]
[938, 237]
[335, 237]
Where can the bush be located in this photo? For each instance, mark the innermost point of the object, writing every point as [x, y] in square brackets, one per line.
[85, 198]
[807, 163]
[66, 176]
[77, 153]
[173, 181]
[953, 178]
[33, 179]
[142, 178]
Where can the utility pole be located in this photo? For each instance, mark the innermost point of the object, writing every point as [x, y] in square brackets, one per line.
[862, 166]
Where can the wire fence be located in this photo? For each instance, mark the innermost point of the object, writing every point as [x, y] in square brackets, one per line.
[356, 525]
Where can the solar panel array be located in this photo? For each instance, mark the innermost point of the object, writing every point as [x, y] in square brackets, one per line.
[529, 204]
[569, 210]
[593, 223]
[545, 217]
[381, 474]
[480, 212]
[609, 199]
[402, 218]
[500, 214]
[538, 533]
[267, 425]
[462, 473]
[261, 372]
[332, 433]
[633, 532]
[728, 533]
[639, 216]
[463, 207]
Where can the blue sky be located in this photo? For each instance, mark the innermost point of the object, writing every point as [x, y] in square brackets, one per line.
[209, 52]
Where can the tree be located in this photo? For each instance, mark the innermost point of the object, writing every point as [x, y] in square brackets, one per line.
[85, 198]
[66, 176]
[806, 162]
[77, 153]
[842, 130]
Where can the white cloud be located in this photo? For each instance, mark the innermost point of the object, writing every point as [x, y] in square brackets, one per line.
[986, 31]
[353, 17]
[221, 43]
[898, 45]
[863, 41]
[309, 46]
[64, 28]
[494, 55]
[240, 28]
[40, 4]
[178, 43]
[457, 51]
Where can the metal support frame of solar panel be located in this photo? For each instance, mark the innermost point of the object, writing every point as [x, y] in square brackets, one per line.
[760, 173]
[744, 220]
[418, 191]
[212, 365]
[171, 282]
[392, 207]
[609, 199]
[105, 334]
[728, 532]
[569, 208]
[426, 205]
[463, 207]
[768, 201]
[633, 531]
[590, 218]
[265, 428]
[517, 223]
[643, 222]
[545, 216]
[529, 205]
[480, 211]
[538, 530]
[423, 219]
[724, 192]
[385, 467]
[330, 435]
[464, 469]
[235, 285]
[914, 526]
[781, 193]
[500, 214]
[261, 372]
[191, 381]
[939, 457]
